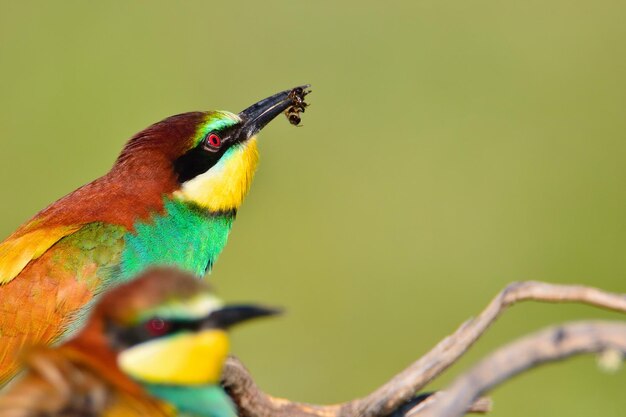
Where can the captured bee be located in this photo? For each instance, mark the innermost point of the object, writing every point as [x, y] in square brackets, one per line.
[293, 115]
[298, 105]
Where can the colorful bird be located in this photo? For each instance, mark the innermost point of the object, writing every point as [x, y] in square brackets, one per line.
[152, 347]
[170, 199]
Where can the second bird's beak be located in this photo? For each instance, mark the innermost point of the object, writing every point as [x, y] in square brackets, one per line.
[228, 316]
[260, 114]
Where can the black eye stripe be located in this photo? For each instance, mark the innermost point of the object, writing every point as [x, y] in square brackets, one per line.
[201, 158]
[124, 337]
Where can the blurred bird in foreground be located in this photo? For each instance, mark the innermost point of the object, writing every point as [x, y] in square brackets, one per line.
[170, 199]
[152, 347]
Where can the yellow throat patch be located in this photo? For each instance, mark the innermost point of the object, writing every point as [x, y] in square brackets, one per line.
[185, 359]
[225, 185]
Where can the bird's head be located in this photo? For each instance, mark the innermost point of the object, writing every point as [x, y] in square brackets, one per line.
[205, 158]
[166, 327]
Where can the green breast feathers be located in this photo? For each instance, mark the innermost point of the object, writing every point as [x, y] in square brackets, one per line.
[184, 236]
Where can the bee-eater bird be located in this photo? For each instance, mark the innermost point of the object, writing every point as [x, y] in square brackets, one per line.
[154, 346]
[170, 199]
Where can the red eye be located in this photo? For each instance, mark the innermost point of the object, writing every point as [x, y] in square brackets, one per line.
[157, 326]
[214, 141]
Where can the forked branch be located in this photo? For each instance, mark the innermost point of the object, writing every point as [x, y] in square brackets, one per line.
[549, 345]
[252, 402]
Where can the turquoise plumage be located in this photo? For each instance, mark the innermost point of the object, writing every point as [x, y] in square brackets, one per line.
[194, 239]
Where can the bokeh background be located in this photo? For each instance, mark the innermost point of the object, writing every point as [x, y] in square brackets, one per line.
[451, 147]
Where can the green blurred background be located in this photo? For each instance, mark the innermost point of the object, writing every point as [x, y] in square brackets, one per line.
[451, 147]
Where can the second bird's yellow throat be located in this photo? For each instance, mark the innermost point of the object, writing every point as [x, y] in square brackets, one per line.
[184, 359]
[225, 185]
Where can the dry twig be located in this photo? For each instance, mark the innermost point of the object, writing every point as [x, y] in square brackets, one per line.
[252, 402]
[549, 345]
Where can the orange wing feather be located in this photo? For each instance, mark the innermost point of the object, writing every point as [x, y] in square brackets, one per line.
[18, 250]
[49, 275]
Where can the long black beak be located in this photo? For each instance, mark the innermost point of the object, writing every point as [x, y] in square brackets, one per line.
[260, 114]
[231, 315]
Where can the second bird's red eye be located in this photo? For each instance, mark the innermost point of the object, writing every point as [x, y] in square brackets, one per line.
[214, 141]
[157, 326]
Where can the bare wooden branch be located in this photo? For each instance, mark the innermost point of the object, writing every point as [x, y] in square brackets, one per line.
[549, 345]
[252, 402]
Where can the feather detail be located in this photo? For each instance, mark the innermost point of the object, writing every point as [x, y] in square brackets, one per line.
[16, 252]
